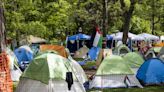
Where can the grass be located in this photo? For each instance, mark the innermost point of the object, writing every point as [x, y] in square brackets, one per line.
[145, 89]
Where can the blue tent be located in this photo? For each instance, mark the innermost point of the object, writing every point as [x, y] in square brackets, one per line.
[79, 36]
[151, 72]
[24, 54]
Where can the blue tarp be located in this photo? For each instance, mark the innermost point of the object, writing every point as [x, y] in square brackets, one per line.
[93, 53]
[109, 37]
[151, 72]
[79, 36]
[23, 55]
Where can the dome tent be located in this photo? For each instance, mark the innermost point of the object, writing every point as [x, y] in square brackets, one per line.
[153, 52]
[151, 72]
[64, 52]
[47, 73]
[113, 73]
[24, 55]
[121, 50]
[78, 70]
[161, 54]
[135, 60]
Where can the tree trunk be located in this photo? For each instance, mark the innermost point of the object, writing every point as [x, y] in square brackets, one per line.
[105, 17]
[2, 29]
[127, 18]
[153, 16]
[17, 37]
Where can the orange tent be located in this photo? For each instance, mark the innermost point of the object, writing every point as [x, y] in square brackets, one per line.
[60, 49]
[161, 44]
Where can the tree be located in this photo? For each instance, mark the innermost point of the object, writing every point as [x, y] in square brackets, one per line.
[2, 29]
[127, 18]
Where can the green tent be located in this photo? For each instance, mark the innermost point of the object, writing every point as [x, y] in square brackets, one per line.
[155, 49]
[134, 59]
[113, 65]
[48, 72]
[114, 73]
[152, 52]
[121, 50]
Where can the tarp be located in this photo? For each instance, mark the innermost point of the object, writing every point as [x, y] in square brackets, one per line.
[59, 49]
[135, 60]
[149, 36]
[151, 72]
[24, 53]
[79, 36]
[114, 72]
[93, 53]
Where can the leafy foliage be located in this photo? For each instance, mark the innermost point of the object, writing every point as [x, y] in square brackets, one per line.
[51, 19]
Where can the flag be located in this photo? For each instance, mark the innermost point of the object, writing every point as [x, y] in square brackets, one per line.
[97, 42]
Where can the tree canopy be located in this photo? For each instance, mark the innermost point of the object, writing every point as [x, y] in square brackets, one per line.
[56, 18]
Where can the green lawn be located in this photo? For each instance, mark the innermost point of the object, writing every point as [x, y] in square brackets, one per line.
[145, 89]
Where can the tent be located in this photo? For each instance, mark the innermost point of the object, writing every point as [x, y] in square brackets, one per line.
[121, 50]
[15, 72]
[162, 38]
[59, 49]
[49, 73]
[64, 52]
[151, 72]
[161, 54]
[119, 35]
[75, 42]
[24, 55]
[31, 40]
[82, 52]
[159, 44]
[135, 60]
[152, 52]
[79, 36]
[113, 73]
[78, 70]
[149, 36]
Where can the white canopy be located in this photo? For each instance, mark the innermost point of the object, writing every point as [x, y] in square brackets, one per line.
[149, 36]
[119, 35]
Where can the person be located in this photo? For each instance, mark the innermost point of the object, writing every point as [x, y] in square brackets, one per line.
[142, 47]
